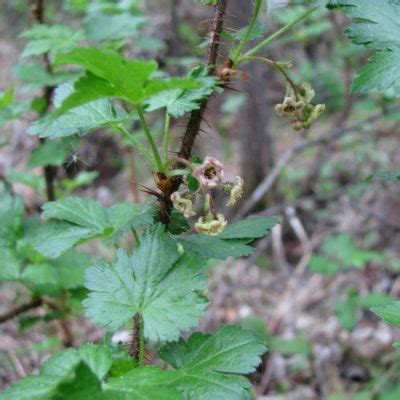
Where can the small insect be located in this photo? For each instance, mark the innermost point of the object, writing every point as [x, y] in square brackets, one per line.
[74, 163]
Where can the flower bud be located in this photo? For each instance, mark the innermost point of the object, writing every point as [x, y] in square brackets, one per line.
[183, 205]
[236, 191]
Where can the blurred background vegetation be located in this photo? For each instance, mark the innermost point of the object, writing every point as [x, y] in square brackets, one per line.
[309, 286]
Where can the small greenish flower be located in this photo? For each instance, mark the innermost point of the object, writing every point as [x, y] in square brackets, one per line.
[183, 205]
[306, 92]
[210, 173]
[211, 226]
[315, 113]
[297, 107]
[235, 191]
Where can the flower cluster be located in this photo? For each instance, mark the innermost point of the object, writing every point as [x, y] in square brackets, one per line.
[298, 108]
[209, 175]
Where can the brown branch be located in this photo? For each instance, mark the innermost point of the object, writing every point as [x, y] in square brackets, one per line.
[34, 303]
[196, 117]
[193, 126]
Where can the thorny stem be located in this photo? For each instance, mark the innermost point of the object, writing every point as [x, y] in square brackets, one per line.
[278, 66]
[278, 33]
[160, 167]
[137, 344]
[141, 343]
[193, 127]
[239, 50]
[166, 137]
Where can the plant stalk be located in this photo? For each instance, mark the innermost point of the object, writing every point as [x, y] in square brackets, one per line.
[137, 145]
[246, 36]
[135, 235]
[166, 137]
[160, 167]
[278, 66]
[278, 33]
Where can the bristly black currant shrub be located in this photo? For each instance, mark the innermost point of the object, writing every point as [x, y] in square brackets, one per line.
[158, 289]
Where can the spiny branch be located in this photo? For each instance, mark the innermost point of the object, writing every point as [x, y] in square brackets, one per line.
[197, 116]
[193, 126]
[134, 350]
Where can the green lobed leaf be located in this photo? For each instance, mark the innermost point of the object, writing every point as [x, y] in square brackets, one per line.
[50, 152]
[31, 388]
[67, 369]
[81, 374]
[36, 76]
[10, 109]
[79, 120]
[210, 366]
[175, 101]
[110, 75]
[52, 238]
[179, 101]
[154, 281]
[53, 276]
[147, 383]
[11, 213]
[389, 312]
[74, 220]
[376, 23]
[113, 26]
[11, 229]
[26, 178]
[85, 385]
[382, 74]
[249, 228]
[98, 358]
[348, 310]
[230, 243]
[206, 367]
[377, 26]
[10, 265]
[83, 212]
[208, 246]
[123, 216]
[50, 39]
